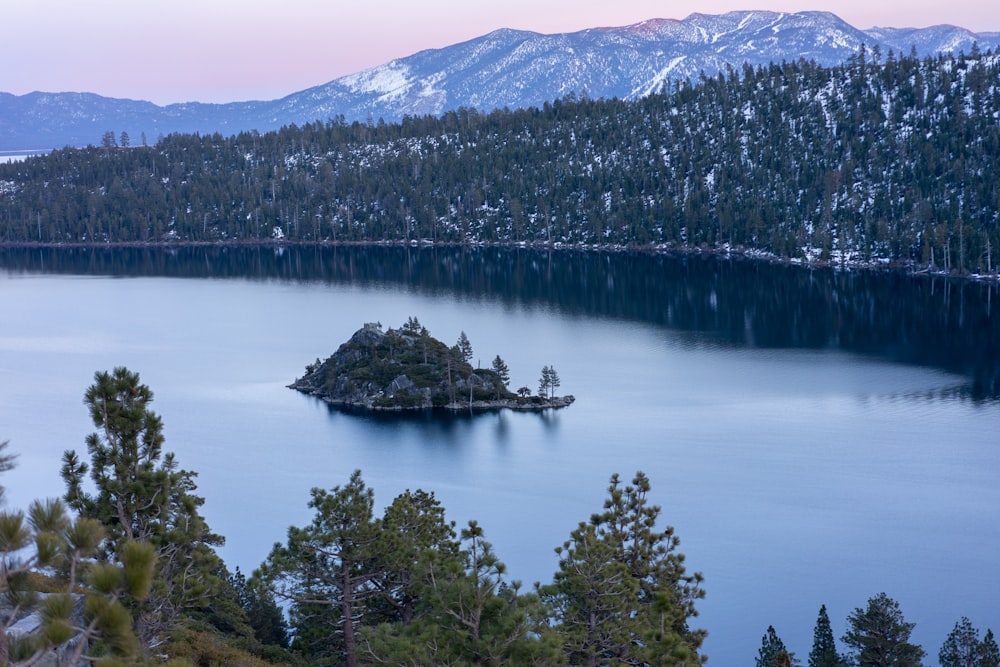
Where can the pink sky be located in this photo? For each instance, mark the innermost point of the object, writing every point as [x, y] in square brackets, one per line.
[227, 50]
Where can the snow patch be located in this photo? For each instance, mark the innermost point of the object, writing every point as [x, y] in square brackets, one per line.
[385, 80]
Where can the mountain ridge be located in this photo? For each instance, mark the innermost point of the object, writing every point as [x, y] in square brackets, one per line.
[505, 68]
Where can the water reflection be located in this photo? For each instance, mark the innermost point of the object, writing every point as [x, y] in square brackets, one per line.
[439, 425]
[921, 320]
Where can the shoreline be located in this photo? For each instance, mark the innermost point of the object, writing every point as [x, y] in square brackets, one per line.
[554, 403]
[897, 266]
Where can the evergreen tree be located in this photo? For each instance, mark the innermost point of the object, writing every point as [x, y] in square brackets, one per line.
[545, 382]
[990, 653]
[880, 637]
[413, 534]
[323, 570]
[824, 647]
[7, 462]
[464, 347]
[142, 496]
[263, 614]
[772, 652]
[554, 381]
[962, 647]
[622, 593]
[503, 374]
[51, 546]
[462, 610]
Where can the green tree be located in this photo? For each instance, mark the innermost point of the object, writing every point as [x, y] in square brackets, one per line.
[263, 614]
[593, 600]
[545, 381]
[469, 615]
[962, 647]
[60, 551]
[142, 496]
[503, 374]
[622, 592]
[323, 571]
[880, 637]
[7, 463]
[990, 655]
[554, 381]
[464, 347]
[413, 536]
[824, 647]
[772, 652]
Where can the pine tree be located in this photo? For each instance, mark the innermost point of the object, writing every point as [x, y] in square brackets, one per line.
[322, 570]
[7, 462]
[263, 614]
[545, 382]
[503, 374]
[880, 637]
[142, 496]
[464, 347]
[466, 612]
[622, 593]
[554, 381]
[413, 533]
[772, 652]
[61, 551]
[824, 648]
[962, 647]
[990, 655]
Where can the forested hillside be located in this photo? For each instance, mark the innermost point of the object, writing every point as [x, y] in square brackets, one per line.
[884, 159]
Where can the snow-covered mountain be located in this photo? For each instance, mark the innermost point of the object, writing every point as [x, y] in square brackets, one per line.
[506, 68]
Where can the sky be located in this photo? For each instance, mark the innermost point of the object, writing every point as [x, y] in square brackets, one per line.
[233, 50]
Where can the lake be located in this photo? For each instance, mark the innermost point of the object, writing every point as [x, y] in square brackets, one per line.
[814, 436]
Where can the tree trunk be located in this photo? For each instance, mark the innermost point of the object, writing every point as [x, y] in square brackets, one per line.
[347, 611]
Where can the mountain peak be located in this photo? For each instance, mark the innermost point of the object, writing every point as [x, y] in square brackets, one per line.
[504, 68]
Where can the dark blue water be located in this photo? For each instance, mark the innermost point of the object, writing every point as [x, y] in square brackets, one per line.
[815, 438]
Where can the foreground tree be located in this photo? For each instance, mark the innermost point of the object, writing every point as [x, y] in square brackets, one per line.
[962, 648]
[990, 654]
[622, 593]
[51, 548]
[880, 637]
[413, 537]
[7, 463]
[263, 614]
[469, 615]
[772, 652]
[824, 647]
[400, 589]
[142, 496]
[323, 571]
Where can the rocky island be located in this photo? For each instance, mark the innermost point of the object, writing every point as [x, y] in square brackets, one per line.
[408, 369]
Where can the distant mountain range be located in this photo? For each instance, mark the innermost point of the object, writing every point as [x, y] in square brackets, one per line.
[506, 68]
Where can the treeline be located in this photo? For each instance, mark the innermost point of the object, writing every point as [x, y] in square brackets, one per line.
[879, 636]
[125, 571]
[887, 158]
[133, 577]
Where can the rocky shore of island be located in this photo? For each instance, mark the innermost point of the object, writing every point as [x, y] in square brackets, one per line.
[407, 369]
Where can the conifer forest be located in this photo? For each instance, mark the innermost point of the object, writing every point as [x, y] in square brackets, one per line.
[887, 159]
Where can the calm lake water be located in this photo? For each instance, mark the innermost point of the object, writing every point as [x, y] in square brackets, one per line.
[814, 437]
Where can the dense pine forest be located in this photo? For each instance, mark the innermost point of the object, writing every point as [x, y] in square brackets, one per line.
[885, 159]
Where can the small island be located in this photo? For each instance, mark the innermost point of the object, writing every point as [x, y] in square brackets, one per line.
[408, 369]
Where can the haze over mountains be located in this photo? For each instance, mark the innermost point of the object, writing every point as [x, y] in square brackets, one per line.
[505, 68]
